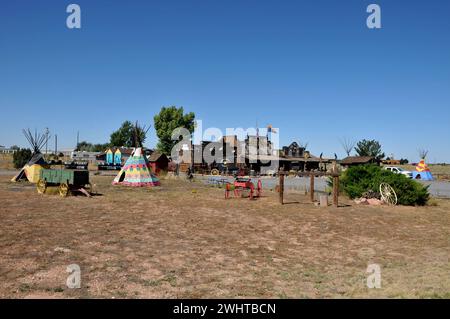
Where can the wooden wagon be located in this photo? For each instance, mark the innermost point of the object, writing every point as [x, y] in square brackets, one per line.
[243, 187]
[67, 181]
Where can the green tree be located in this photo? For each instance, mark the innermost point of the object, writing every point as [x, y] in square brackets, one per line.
[84, 146]
[168, 119]
[369, 148]
[21, 157]
[125, 135]
[89, 147]
[357, 180]
[100, 147]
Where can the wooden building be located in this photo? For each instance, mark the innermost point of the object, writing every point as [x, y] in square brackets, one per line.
[159, 162]
[358, 160]
[297, 158]
[252, 154]
[293, 150]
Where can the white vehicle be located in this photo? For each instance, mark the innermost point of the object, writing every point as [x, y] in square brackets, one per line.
[398, 170]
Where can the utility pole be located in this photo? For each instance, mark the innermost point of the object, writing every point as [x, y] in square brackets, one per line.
[78, 140]
[46, 140]
[56, 145]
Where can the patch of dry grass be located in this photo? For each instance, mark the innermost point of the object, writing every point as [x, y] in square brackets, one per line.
[6, 161]
[185, 240]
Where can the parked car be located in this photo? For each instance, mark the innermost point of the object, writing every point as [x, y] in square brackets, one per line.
[399, 170]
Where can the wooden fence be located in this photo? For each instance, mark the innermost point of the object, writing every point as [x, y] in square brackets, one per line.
[312, 176]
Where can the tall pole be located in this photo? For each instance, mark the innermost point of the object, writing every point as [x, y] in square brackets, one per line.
[56, 145]
[46, 140]
[281, 187]
[78, 140]
[336, 190]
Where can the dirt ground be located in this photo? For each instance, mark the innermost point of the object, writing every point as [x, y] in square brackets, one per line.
[184, 240]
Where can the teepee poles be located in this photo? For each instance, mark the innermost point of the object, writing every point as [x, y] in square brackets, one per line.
[37, 141]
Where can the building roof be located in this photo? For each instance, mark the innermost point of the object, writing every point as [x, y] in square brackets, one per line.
[310, 159]
[156, 156]
[357, 160]
[391, 162]
[303, 159]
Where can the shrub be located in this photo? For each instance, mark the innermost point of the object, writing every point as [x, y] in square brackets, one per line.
[21, 157]
[359, 179]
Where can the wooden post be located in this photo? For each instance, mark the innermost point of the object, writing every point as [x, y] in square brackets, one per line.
[335, 190]
[311, 186]
[281, 187]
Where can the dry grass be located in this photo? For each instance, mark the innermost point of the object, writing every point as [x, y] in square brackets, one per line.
[184, 240]
[6, 161]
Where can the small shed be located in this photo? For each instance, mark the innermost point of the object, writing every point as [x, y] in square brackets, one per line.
[158, 162]
[358, 160]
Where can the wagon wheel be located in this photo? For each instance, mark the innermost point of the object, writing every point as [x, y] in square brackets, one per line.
[388, 194]
[64, 189]
[41, 186]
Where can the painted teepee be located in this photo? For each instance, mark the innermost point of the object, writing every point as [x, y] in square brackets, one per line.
[136, 171]
[422, 172]
[31, 170]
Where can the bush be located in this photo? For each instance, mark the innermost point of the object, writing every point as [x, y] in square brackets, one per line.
[359, 179]
[21, 157]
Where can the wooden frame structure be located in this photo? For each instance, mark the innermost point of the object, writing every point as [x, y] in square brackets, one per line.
[312, 176]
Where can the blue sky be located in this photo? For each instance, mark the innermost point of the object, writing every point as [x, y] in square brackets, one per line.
[311, 68]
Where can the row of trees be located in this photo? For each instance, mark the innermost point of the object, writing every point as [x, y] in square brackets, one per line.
[363, 147]
[371, 148]
[124, 136]
[168, 119]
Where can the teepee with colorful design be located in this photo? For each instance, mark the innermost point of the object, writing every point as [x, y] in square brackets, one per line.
[136, 172]
[422, 171]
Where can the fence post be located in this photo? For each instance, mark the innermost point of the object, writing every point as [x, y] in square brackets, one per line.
[281, 187]
[335, 190]
[311, 186]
